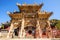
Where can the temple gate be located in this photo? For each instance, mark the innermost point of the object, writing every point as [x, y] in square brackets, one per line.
[31, 21]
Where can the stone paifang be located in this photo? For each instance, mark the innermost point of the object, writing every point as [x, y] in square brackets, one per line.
[30, 22]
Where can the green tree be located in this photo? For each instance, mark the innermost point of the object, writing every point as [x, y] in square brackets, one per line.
[2, 26]
[58, 25]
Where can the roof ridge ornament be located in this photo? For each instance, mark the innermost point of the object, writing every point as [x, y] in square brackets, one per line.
[15, 11]
[8, 12]
[18, 4]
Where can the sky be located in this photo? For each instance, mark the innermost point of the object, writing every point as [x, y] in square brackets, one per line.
[10, 5]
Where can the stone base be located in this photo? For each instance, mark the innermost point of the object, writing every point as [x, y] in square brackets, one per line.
[32, 39]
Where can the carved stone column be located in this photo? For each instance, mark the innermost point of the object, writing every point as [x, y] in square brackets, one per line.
[39, 29]
[21, 34]
[10, 33]
[49, 33]
[48, 23]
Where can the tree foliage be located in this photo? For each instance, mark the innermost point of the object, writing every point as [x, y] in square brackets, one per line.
[57, 23]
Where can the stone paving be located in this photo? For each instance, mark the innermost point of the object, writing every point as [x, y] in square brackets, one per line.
[31, 39]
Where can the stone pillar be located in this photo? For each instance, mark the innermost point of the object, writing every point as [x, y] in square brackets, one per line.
[24, 33]
[39, 29]
[49, 29]
[48, 23]
[10, 33]
[21, 33]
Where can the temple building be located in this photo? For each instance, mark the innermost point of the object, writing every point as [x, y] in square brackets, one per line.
[30, 22]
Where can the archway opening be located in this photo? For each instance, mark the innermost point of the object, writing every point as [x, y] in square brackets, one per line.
[30, 30]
